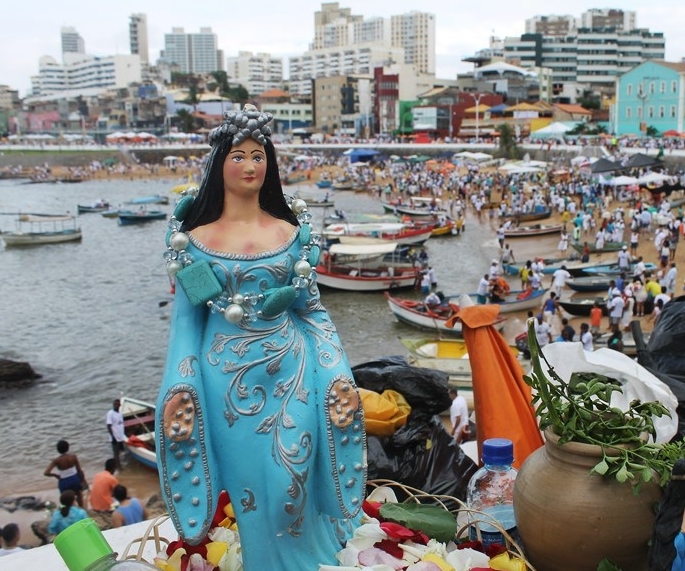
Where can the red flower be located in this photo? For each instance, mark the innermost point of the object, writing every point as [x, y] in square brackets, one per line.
[495, 549]
[372, 509]
[477, 545]
[219, 514]
[391, 547]
[401, 533]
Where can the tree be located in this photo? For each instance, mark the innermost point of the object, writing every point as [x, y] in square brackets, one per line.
[186, 120]
[507, 142]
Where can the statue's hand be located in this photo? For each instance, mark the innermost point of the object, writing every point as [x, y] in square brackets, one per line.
[179, 416]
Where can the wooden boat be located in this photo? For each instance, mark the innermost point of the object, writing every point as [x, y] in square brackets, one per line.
[573, 267]
[393, 231]
[581, 305]
[294, 179]
[154, 199]
[608, 247]
[111, 213]
[139, 427]
[614, 270]
[354, 278]
[361, 252]
[448, 355]
[418, 206]
[529, 216]
[40, 229]
[324, 184]
[99, 206]
[184, 187]
[417, 314]
[129, 217]
[533, 230]
[589, 283]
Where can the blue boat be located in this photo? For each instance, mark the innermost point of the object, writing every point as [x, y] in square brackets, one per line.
[129, 217]
[614, 270]
[324, 184]
[154, 199]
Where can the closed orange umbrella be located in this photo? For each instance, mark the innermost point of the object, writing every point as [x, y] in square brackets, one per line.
[502, 399]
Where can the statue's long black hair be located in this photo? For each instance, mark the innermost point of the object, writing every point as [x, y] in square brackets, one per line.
[209, 203]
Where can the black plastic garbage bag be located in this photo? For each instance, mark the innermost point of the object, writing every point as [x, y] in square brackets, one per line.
[421, 454]
[424, 389]
[667, 342]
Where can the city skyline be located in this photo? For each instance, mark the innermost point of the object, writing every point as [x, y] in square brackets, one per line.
[460, 30]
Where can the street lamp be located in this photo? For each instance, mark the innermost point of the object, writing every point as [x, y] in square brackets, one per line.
[642, 96]
[476, 99]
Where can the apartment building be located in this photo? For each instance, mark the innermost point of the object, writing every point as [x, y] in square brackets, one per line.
[194, 52]
[137, 31]
[257, 73]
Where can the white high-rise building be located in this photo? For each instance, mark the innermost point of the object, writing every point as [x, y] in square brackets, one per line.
[415, 32]
[602, 45]
[345, 44]
[82, 72]
[72, 42]
[137, 31]
[193, 53]
[255, 72]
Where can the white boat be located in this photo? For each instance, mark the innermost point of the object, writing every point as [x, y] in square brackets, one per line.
[363, 278]
[39, 229]
[139, 427]
[360, 251]
[394, 231]
[418, 206]
[417, 314]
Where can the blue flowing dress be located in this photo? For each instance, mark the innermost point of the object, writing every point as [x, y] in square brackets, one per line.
[266, 394]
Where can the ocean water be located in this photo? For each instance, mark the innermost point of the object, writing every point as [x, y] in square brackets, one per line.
[92, 317]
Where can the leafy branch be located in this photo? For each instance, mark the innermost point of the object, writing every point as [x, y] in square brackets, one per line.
[580, 411]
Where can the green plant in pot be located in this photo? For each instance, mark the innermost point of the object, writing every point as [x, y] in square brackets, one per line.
[590, 492]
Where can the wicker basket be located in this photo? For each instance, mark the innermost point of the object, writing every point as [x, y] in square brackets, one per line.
[465, 519]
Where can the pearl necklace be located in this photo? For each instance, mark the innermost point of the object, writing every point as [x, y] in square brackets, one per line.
[204, 287]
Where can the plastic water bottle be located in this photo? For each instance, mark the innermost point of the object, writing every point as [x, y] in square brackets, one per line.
[491, 491]
[83, 548]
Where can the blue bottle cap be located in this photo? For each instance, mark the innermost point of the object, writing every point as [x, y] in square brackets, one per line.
[498, 451]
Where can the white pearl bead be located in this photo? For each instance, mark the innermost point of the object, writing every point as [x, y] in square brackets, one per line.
[234, 313]
[302, 268]
[173, 267]
[298, 205]
[179, 241]
[239, 298]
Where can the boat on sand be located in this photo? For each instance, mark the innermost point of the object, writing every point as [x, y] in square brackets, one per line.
[139, 427]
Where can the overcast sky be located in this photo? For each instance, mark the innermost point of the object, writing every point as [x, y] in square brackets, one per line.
[286, 27]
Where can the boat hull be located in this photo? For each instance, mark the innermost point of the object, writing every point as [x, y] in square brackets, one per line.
[535, 230]
[583, 305]
[139, 427]
[589, 284]
[20, 239]
[376, 279]
[127, 218]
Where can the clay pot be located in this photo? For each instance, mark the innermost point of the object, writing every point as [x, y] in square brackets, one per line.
[569, 519]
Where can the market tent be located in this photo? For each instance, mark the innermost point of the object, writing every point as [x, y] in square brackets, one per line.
[622, 181]
[502, 399]
[555, 129]
[639, 160]
[656, 178]
[605, 165]
[473, 156]
[361, 155]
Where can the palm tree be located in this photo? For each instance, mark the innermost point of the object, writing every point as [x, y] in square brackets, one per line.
[186, 119]
[507, 142]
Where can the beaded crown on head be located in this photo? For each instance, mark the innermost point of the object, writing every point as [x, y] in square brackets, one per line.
[240, 125]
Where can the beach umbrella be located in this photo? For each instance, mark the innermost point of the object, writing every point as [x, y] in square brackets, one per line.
[502, 399]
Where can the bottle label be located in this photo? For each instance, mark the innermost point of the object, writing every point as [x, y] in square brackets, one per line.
[489, 534]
